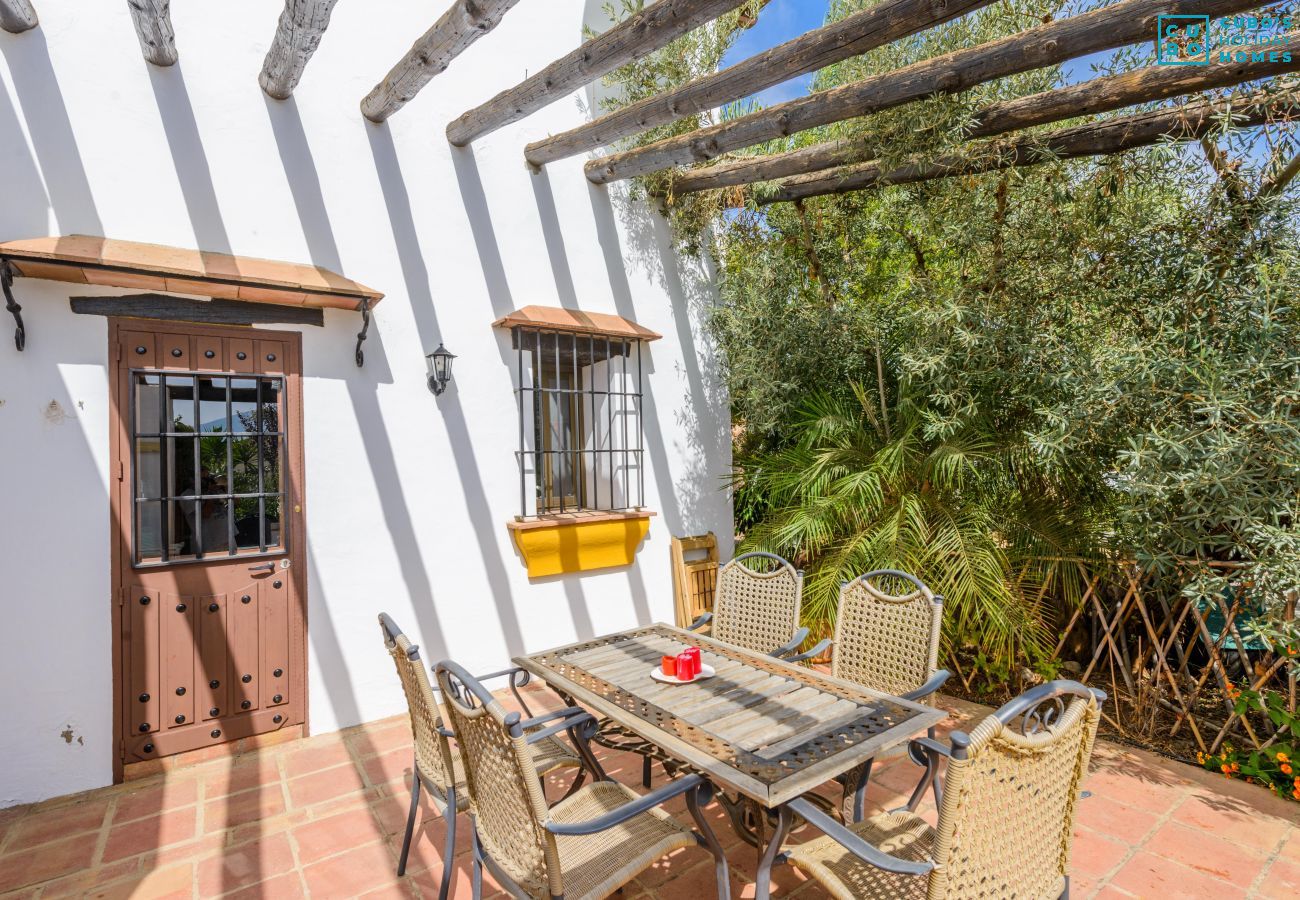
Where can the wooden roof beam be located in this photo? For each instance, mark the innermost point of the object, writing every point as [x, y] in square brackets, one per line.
[153, 26]
[654, 27]
[852, 36]
[1126, 22]
[1085, 98]
[464, 22]
[17, 16]
[1183, 123]
[302, 24]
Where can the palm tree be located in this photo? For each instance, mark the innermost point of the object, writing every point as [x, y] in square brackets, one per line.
[966, 512]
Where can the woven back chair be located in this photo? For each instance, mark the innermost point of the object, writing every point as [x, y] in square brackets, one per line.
[757, 603]
[884, 640]
[438, 766]
[433, 756]
[1006, 815]
[509, 807]
[590, 843]
[887, 639]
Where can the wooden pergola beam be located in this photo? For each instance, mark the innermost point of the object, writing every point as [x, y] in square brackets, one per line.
[153, 26]
[1183, 123]
[857, 34]
[1098, 95]
[301, 26]
[17, 16]
[1112, 26]
[464, 22]
[654, 27]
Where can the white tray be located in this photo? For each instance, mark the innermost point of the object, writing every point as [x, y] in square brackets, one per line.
[706, 671]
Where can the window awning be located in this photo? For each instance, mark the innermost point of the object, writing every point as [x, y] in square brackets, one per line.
[85, 259]
[554, 318]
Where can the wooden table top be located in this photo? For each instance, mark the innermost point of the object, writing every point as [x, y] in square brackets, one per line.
[768, 729]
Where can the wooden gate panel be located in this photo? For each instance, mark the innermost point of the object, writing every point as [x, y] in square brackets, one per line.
[139, 349]
[142, 615]
[240, 356]
[212, 661]
[174, 351]
[176, 615]
[275, 644]
[244, 667]
[209, 353]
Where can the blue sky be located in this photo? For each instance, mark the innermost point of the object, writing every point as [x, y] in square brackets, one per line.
[782, 20]
[779, 21]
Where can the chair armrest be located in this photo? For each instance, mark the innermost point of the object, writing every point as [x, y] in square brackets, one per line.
[926, 745]
[817, 650]
[857, 846]
[518, 676]
[568, 718]
[628, 810]
[800, 636]
[936, 681]
[699, 623]
[446, 732]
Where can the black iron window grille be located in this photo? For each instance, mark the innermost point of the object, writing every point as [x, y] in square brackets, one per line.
[581, 446]
[206, 464]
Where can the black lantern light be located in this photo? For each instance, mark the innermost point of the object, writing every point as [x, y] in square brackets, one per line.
[440, 369]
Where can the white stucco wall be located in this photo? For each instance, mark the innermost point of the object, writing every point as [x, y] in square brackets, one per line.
[407, 495]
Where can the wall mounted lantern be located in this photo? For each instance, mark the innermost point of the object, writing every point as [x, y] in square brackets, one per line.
[440, 369]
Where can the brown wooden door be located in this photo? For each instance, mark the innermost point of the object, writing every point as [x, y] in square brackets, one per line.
[207, 534]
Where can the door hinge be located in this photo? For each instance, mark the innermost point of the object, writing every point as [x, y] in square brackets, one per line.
[119, 351]
[121, 470]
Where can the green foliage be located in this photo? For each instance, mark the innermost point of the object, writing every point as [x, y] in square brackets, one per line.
[1097, 358]
[864, 487]
[1275, 766]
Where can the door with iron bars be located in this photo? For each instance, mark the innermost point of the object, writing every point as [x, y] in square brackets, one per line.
[207, 520]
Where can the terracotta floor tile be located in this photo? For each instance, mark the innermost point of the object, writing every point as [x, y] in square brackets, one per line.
[1115, 820]
[23, 868]
[1156, 797]
[156, 797]
[327, 837]
[242, 808]
[368, 742]
[88, 880]
[223, 778]
[321, 786]
[1207, 853]
[313, 759]
[281, 887]
[351, 874]
[390, 766]
[249, 863]
[1282, 880]
[141, 835]
[42, 826]
[173, 881]
[1148, 875]
[1094, 854]
[1233, 820]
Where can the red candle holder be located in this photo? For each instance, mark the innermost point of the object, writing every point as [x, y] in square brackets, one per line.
[685, 667]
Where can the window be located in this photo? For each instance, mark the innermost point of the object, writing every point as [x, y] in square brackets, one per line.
[207, 462]
[580, 441]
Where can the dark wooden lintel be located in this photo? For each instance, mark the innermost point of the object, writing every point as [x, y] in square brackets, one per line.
[184, 309]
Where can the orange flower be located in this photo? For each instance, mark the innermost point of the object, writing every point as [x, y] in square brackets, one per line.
[1282, 757]
[1296, 793]
[1286, 768]
[1225, 768]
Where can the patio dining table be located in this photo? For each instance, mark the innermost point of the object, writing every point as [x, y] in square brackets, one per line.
[768, 730]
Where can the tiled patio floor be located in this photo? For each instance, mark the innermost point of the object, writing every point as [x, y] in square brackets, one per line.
[323, 817]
